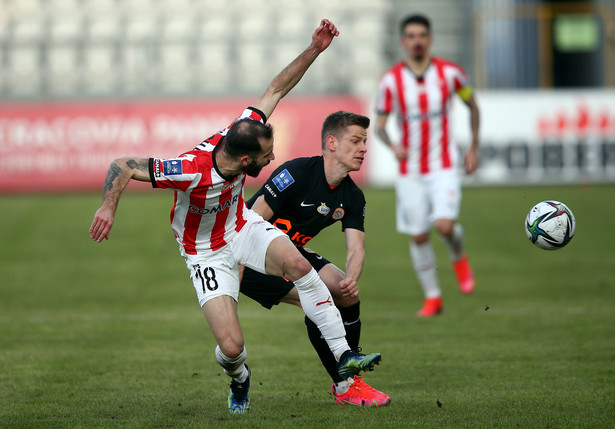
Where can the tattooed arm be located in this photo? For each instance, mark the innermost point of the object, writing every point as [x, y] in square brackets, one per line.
[120, 172]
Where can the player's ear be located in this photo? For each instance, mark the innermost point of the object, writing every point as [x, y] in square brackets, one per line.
[244, 160]
[331, 143]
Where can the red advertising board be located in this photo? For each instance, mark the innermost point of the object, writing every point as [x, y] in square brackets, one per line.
[68, 145]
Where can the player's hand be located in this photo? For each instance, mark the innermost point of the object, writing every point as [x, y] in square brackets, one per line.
[324, 34]
[349, 288]
[102, 223]
[400, 152]
[471, 159]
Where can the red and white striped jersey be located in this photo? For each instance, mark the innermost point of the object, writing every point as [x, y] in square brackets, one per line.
[423, 107]
[209, 208]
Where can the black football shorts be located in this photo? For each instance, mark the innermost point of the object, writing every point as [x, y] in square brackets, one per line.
[269, 290]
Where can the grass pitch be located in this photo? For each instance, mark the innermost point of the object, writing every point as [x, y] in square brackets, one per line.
[110, 335]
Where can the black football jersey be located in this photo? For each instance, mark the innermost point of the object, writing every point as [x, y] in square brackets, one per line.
[304, 204]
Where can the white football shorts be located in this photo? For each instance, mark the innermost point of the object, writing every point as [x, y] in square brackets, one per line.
[423, 199]
[217, 273]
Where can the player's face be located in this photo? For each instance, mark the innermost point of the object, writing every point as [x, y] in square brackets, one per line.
[416, 41]
[257, 163]
[351, 147]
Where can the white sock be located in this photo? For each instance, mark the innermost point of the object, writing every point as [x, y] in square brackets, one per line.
[342, 387]
[454, 243]
[424, 260]
[233, 367]
[318, 305]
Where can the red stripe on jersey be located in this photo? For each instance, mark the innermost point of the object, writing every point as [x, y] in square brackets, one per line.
[217, 235]
[215, 139]
[254, 115]
[193, 222]
[405, 139]
[240, 221]
[458, 84]
[388, 101]
[424, 106]
[444, 142]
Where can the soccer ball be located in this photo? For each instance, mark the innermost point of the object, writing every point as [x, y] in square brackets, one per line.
[550, 225]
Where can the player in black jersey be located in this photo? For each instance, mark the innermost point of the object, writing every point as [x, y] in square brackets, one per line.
[302, 197]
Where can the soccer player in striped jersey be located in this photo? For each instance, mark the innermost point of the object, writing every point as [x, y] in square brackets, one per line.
[419, 92]
[216, 232]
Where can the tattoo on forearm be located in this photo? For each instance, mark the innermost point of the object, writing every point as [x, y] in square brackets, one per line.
[114, 171]
[141, 165]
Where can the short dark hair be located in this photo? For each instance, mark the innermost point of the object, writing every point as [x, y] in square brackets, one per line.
[415, 19]
[242, 138]
[337, 122]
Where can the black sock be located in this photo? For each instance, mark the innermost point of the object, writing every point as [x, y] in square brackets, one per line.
[352, 324]
[349, 315]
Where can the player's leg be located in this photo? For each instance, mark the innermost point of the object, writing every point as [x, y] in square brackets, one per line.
[447, 201]
[348, 308]
[424, 262]
[351, 390]
[412, 217]
[270, 290]
[221, 315]
[271, 251]
[217, 286]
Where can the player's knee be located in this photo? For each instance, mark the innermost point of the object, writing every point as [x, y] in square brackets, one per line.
[296, 266]
[445, 227]
[420, 238]
[230, 349]
[230, 362]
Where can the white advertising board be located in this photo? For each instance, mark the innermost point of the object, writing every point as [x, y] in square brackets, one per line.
[529, 137]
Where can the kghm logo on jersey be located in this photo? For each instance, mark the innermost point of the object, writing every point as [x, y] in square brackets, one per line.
[323, 209]
[338, 213]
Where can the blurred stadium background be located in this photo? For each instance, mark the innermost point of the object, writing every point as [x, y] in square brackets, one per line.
[84, 81]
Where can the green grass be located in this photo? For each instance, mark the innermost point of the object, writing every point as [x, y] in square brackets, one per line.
[110, 335]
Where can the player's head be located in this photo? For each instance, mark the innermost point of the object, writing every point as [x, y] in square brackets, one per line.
[344, 134]
[251, 142]
[336, 123]
[415, 36]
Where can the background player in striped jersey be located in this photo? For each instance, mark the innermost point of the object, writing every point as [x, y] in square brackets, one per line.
[217, 232]
[302, 197]
[420, 90]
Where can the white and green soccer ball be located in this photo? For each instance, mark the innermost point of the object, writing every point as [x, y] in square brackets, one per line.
[550, 225]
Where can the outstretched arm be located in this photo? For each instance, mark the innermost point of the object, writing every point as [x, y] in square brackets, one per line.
[120, 172]
[292, 73]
